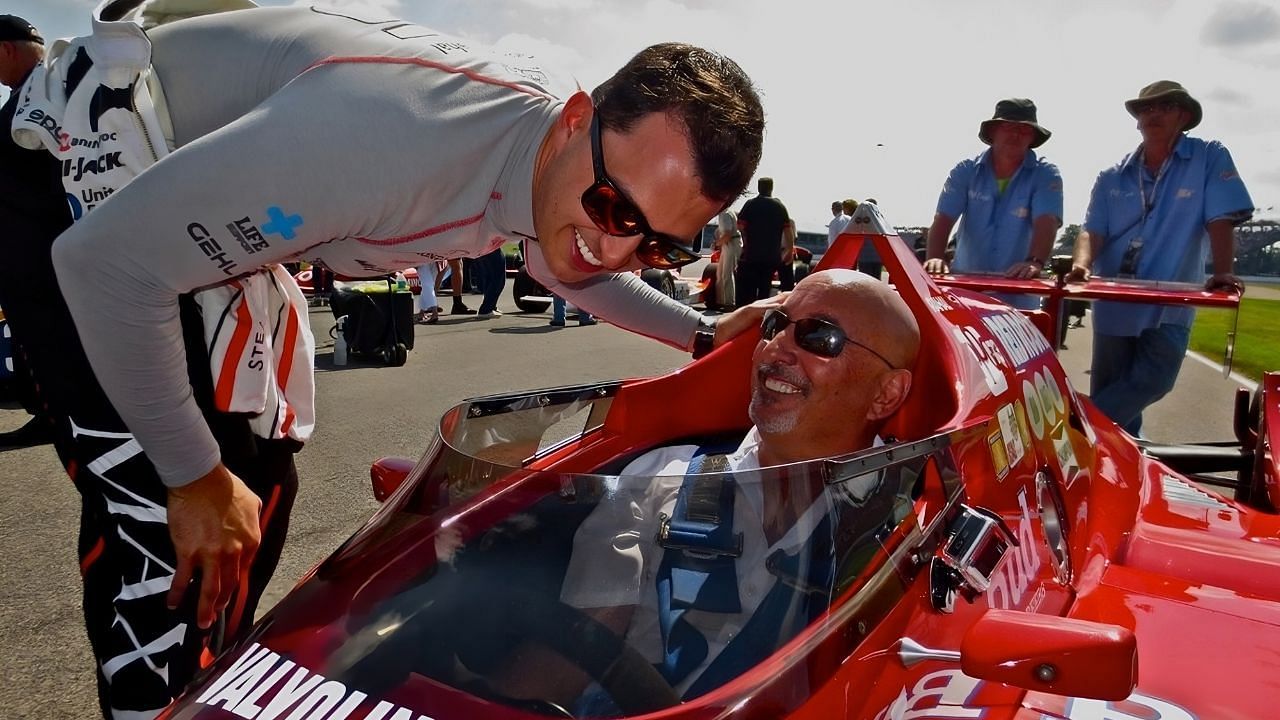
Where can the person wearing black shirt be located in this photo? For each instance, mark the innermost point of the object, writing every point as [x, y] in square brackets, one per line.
[763, 222]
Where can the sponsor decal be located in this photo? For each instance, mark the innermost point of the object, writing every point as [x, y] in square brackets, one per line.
[999, 459]
[77, 168]
[1017, 337]
[91, 143]
[262, 685]
[256, 354]
[1230, 174]
[1023, 432]
[1022, 212]
[1018, 568]
[88, 199]
[248, 235]
[533, 74]
[448, 47]
[210, 247]
[144, 574]
[939, 303]
[1184, 193]
[281, 223]
[989, 356]
[1136, 707]
[1014, 447]
[942, 694]
[50, 125]
[1064, 453]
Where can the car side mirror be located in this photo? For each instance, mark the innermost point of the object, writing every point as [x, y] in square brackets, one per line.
[387, 474]
[1046, 653]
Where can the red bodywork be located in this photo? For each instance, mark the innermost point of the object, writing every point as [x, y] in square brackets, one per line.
[1112, 550]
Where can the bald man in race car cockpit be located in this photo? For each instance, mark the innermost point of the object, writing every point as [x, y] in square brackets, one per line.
[833, 364]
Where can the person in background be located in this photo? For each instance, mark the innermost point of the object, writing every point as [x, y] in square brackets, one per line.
[558, 313]
[728, 241]
[455, 287]
[838, 220]
[1010, 200]
[491, 270]
[786, 263]
[428, 303]
[763, 221]
[1158, 214]
[32, 212]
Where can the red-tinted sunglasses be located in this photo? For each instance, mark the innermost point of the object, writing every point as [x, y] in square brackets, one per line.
[813, 335]
[614, 213]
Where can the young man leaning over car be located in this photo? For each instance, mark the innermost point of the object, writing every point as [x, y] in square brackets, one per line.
[595, 184]
[832, 365]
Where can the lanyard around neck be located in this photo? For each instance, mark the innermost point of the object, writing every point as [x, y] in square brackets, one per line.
[1149, 203]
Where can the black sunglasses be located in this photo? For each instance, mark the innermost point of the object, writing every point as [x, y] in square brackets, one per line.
[819, 337]
[614, 213]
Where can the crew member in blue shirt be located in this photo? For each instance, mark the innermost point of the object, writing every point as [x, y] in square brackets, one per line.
[1011, 201]
[1156, 216]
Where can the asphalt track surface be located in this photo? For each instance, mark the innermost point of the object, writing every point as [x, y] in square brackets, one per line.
[367, 411]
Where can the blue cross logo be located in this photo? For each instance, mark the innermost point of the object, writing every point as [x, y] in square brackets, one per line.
[281, 224]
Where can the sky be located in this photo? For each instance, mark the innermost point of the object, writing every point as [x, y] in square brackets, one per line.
[881, 99]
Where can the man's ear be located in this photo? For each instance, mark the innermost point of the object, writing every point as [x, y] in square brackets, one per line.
[576, 114]
[894, 386]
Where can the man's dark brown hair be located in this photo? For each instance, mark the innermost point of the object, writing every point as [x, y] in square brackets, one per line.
[709, 93]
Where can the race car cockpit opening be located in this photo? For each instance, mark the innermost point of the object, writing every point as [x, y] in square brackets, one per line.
[498, 582]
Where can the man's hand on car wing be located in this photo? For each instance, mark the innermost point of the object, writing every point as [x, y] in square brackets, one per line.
[213, 522]
[1225, 282]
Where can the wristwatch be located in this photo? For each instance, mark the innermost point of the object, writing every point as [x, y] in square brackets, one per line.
[704, 338]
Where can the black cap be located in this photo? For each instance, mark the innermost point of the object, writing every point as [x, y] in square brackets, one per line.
[13, 27]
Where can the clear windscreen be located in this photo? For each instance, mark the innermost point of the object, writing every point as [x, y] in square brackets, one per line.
[597, 594]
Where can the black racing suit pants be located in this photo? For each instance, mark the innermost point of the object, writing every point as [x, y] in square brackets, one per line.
[145, 653]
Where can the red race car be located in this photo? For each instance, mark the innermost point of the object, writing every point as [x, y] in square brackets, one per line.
[1008, 554]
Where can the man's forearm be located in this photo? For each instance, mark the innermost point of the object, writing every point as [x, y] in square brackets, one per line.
[939, 231]
[1043, 232]
[1222, 246]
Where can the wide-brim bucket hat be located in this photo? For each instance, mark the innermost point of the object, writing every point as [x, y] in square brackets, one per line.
[1014, 110]
[1166, 91]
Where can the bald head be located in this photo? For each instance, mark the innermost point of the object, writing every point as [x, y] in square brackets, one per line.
[879, 318]
[809, 401]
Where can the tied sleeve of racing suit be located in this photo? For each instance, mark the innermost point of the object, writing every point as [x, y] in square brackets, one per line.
[624, 300]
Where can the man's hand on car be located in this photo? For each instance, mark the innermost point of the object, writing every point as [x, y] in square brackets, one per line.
[213, 522]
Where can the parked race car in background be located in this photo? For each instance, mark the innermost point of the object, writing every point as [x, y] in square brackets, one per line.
[1009, 554]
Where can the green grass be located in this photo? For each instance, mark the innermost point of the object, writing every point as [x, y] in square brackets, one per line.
[1257, 337]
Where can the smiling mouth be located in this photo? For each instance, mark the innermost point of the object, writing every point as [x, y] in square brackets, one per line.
[774, 383]
[585, 251]
[778, 386]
